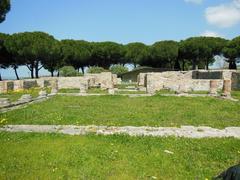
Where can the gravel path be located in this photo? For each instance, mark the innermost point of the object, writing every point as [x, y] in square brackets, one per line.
[183, 131]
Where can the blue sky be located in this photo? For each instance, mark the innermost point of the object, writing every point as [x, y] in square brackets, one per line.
[125, 21]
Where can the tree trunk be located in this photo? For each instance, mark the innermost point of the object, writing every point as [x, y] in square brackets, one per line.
[32, 73]
[82, 68]
[52, 73]
[206, 64]
[106, 66]
[36, 69]
[31, 69]
[36, 73]
[58, 74]
[193, 65]
[183, 65]
[172, 64]
[0, 77]
[232, 64]
[16, 73]
[177, 66]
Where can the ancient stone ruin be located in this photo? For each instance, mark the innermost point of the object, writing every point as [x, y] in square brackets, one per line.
[104, 80]
[187, 81]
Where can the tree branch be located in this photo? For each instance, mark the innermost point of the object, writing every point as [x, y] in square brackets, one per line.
[40, 68]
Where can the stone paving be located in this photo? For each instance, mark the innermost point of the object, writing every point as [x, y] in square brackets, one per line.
[183, 131]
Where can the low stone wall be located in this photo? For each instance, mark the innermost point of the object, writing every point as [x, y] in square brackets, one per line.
[69, 82]
[184, 81]
[236, 81]
[141, 79]
[104, 80]
[6, 86]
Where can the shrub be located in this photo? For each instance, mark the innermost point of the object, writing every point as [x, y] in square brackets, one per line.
[95, 69]
[118, 69]
[67, 71]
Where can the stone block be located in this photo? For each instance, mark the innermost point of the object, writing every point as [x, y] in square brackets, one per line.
[236, 81]
[106, 80]
[1, 87]
[70, 82]
[83, 87]
[9, 86]
[18, 85]
[42, 93]
[140, 88]
[227, 88]
[4, 102]
[111, 91]
[25, 98]
[119, 81]
[213, 87]
[141, 80]
[114, 79]
[54, 91]
[27, 84]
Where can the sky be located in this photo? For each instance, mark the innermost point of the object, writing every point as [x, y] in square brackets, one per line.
[123, 21]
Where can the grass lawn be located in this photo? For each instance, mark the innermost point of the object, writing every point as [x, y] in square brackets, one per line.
[90, 91]
[124, 111]
[69, 91]
[236, 94]
[165, 91]
[199, 92]
[125, 85]
[52, 156]
[15, 95]
[96, 91]
[130, 92]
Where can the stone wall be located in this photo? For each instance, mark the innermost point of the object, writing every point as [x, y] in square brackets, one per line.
[18, 85]
[27, 84]
[207, 75]
[104, 80]
[236, 81]
[6, 86]
[141, 79]
[116, 80]
[70, 82]
[184, 81]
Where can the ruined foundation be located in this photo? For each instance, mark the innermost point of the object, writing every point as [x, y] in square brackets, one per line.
[187, 81]
[103, 80]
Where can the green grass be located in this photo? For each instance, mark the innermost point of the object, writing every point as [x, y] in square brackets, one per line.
[91, 91]
[199, 92]
[130, 92]
[124, 111]
[96, 91]
[69, 90]
[125, 85]
[52, 156]
[236, 94]
[165, 91]
[15, 95]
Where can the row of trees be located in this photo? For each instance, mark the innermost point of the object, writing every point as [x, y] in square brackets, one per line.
[4, 9]
[38, 50]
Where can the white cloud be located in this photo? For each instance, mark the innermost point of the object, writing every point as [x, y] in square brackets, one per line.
[194, 1]
[210, 34]
[224, 15]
